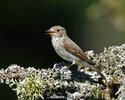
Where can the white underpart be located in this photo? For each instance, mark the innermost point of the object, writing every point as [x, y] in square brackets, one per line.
[59, 48]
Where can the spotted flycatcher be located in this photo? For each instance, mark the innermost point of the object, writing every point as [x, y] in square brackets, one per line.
[69, 50]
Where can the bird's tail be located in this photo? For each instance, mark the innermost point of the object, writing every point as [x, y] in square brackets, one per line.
[94, 68]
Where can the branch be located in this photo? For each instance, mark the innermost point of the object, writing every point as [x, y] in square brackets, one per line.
[61, 82]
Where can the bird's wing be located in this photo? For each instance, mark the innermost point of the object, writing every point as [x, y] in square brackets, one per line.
[71, 47]
[74, 49]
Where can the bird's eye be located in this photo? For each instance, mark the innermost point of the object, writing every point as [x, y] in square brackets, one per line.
[58, 30]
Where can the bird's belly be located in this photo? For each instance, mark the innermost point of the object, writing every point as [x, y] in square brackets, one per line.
[63, 53]
[69, 57]
[66, 55]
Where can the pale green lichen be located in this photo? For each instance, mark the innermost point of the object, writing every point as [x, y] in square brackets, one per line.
[30, 83]
[97, 94]
[30, 88]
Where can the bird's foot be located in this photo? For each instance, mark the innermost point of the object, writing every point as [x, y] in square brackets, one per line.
[73, 63]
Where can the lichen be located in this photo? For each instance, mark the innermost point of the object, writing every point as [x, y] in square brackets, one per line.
[62, 83]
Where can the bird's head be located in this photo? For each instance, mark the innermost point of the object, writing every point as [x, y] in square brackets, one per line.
[56, 31]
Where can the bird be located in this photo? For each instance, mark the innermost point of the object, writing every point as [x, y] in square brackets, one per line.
[69, 50]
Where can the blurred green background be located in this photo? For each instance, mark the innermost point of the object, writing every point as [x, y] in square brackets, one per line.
[92, 24]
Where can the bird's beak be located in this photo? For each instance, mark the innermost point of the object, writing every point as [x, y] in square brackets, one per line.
[50, 32]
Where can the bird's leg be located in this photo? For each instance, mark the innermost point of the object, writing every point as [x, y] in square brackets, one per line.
[79, 67]
[73, 63]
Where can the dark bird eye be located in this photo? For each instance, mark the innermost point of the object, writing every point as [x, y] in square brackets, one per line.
[58, 30]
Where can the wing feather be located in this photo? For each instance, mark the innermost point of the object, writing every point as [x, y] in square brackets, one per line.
[71, 47]
[74, 49]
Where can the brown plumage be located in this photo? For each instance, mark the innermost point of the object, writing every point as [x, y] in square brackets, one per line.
[77, 51]
[71, 47]
[69, 50]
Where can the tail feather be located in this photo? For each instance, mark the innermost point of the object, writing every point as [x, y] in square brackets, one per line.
[94, 68]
